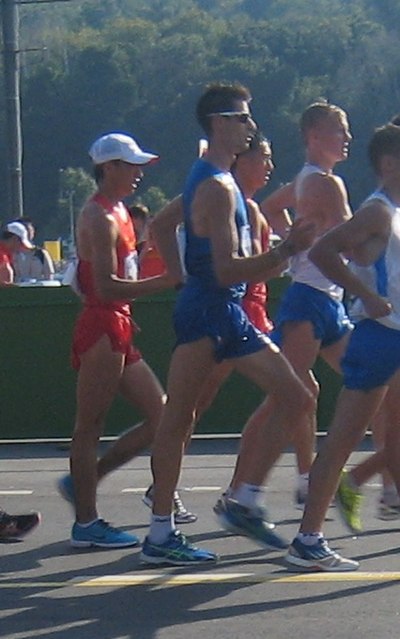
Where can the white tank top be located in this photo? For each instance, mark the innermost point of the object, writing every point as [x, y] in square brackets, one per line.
[383, 277]
[301, 269]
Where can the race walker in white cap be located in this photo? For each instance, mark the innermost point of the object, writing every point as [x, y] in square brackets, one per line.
[102, 349]
[117, 146]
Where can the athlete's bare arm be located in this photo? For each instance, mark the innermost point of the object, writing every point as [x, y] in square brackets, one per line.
[214, 217]
[275, 209]
[164, 228]
[97, 236]
[259, 228]
[323, 199]
[366, 233]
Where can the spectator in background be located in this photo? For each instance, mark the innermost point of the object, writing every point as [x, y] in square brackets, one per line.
[34, 263]
[13, 240]
[140, 215]
[150, 260]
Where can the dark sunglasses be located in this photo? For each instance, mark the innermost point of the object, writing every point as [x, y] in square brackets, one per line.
[241, 116]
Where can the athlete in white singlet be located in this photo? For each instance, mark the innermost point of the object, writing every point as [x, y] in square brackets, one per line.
[311, 320]
[371, 366]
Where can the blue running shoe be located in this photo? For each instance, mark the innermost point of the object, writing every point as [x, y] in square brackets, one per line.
[251, 523]
[175, 551]
[220, 508]
[318, 558]
[101, 535]
[66, 488]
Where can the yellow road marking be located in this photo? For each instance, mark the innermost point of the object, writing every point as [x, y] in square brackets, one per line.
[16, 492]
[191, 579]
[209, 578]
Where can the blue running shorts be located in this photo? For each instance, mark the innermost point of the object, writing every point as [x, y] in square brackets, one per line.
[372, 356]
[225, 323]
[303, 303]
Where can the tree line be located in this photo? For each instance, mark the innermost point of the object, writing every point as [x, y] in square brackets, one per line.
[139, 65]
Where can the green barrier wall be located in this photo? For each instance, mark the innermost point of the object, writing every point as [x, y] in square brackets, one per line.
[38, 385]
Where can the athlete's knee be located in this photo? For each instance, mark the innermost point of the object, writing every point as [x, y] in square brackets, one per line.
[89, 423]
[154, 406]
[299, 398]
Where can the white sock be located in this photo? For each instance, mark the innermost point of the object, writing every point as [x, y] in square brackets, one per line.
[309, 539]
[161, 527]
[249, 495]
[87, 523]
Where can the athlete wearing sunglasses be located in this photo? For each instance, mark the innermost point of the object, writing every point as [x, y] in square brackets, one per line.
[241, 116]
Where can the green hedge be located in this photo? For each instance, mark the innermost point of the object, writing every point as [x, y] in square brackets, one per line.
[38, 384]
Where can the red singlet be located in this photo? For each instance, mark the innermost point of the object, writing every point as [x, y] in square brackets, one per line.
[113, 318]
[256, 298]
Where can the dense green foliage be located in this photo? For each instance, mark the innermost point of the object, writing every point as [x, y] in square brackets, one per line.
[139, 65]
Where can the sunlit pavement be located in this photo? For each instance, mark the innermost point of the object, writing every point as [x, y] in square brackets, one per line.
[48, 589]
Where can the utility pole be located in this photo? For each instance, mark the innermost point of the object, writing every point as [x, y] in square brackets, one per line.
[11, 51]
[10, 23]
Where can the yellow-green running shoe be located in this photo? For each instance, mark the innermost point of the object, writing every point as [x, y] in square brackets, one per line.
[348, 501]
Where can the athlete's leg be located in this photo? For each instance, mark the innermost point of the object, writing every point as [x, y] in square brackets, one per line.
[333, 353]
[369, 467]
[392, 432]
[191, 364]
[98, 380]
[211, 386]
[354, 409]
[349, 493]
[141, 388]
[287, 398]
[301, 348]
[374, 463]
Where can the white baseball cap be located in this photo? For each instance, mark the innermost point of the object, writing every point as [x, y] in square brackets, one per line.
[117, 146]
[17, 228]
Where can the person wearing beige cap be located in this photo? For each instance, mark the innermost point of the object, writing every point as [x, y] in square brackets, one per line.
[35, 264]
[102, 349]
[13, 239]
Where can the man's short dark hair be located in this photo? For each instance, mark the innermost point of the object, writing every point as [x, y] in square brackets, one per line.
[217, 98]
[318, 112]
[257, 142]
[385, 141]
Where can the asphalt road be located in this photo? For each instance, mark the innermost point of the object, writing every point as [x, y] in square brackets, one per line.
[52, 591]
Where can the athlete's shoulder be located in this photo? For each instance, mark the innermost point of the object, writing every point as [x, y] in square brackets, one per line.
[217, 184]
